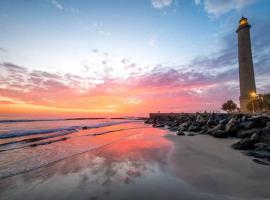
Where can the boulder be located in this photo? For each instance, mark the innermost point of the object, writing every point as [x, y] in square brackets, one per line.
[180, 133]
[201, 120]
[232, 128]
[262, 147]
[260, 162]
[259, 121]
[247, 133]
[219, 134]
[185, 124]
[244, 144]
[265, 135]
[246, 124]
[173, 128]
[190, 134]
[223, 121]
[216, 128]
[255, 137]
[211, 123]
[194, 128]
[158, 125]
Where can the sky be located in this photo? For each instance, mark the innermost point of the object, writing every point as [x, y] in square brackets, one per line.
[88, 58]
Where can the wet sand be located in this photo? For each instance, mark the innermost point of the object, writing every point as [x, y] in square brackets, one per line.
[210, 165]
[146, 163]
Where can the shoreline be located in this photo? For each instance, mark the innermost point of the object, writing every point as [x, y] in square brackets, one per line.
[253, 131]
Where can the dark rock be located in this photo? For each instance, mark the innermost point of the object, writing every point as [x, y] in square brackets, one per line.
[262, 147]
[201, 120]
[185, 124]
[255, 137]
[180, 133]
[216, 128]
[246, 125]
[202, 132]
[173, 128]
[260, 162]
[232, 127]
[190, 134]
[244, 144]
[223, 121]
[211, 123]
[194, 128]
[247, 133]
[219, 134]
[268, 125]
[258, 154]
[259, 121]
[158, 125]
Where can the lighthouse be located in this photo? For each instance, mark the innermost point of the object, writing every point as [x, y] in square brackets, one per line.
[246, 71]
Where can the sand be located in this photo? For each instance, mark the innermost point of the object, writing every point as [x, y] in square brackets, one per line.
[210, 165]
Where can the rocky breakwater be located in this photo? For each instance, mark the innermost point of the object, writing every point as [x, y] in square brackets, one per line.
[253, 131]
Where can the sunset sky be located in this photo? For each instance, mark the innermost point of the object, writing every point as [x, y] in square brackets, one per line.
[88, 58]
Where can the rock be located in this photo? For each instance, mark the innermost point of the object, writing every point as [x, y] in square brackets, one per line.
[219, 134]
[173, 128]
[232, 128]
[194, 128]
[244, 144]
[148, 121]
[255, 137]
[216, 128]
[185, 124]
[200, 120]
[202, 132]
[244, 118]
[262, 147]
[260, 162]
[247, 133]
[259, 121]
[158, 125]
[265, 135]
[265, 131]
[268, 125]
[180, 133]
[223, 121]
[258, 154]
[190, 134]
[211, 123]
[246, 125]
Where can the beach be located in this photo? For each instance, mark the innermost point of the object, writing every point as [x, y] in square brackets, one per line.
[120, 159]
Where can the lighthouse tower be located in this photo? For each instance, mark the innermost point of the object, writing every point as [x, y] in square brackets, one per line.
[246, 72]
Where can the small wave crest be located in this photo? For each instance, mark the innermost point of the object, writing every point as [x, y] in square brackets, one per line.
[21, 133]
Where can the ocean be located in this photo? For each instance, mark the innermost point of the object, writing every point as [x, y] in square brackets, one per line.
[30, 144]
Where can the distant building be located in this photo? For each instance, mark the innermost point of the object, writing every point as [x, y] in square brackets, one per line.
[246, 71]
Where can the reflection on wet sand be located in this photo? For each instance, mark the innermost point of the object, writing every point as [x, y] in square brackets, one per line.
[97, 173]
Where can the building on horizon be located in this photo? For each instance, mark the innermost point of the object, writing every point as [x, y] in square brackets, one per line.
[246, 71]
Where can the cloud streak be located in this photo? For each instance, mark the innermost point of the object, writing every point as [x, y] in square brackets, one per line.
[220, 7]
[159, 4]
[57, 4]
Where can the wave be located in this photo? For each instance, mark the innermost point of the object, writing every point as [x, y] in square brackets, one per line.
[42, 120]
[20, 133]
[34, 132]
[33, 141]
